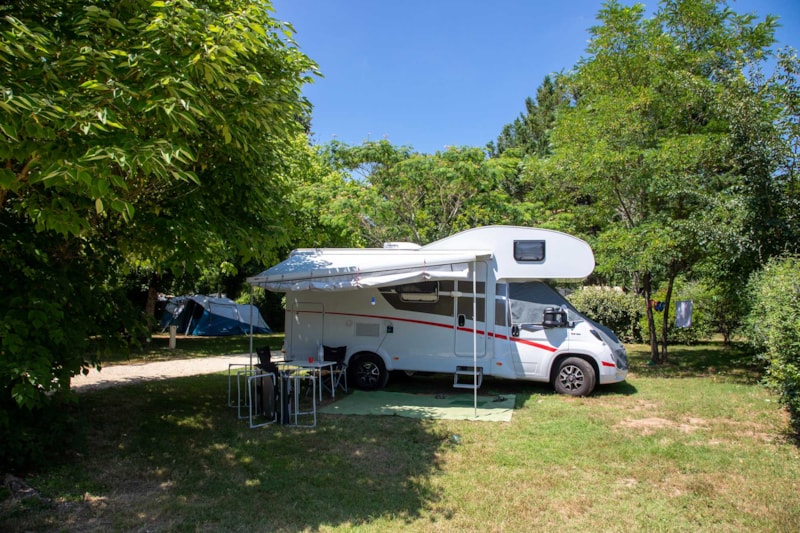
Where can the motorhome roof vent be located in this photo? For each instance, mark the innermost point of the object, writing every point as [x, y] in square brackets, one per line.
[401, 246]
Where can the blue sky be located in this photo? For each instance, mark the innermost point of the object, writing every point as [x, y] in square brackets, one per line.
[436, 73]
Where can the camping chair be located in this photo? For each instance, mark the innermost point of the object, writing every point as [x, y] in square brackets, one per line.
[265, 360]
[287, 390]
[339, 371]
[275, 396]
[262, 399]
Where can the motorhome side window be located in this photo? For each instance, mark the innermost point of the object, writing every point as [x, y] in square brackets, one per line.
[425, 292]
[529, 251]
[527, 301]
[425, 297]
[500, 304]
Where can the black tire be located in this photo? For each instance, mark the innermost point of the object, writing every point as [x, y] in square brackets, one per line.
[367, 371]
[575, 377]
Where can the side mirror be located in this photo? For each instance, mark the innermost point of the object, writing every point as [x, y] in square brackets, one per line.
[515, 331]
[554, 317]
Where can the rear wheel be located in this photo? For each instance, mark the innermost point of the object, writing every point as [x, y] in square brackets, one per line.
[575, 377]
[367, 371]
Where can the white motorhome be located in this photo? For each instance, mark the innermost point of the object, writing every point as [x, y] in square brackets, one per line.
[474, 304]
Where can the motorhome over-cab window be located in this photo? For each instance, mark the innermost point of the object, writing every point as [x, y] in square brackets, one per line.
[529, 251]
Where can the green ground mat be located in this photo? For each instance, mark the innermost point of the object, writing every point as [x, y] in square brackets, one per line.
[442, 406]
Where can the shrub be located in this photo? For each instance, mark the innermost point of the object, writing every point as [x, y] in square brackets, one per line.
[773, 327]
[619, 311]
[56, 320]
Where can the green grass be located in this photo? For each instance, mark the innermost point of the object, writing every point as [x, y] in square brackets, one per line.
[157, 349]
[688, 446]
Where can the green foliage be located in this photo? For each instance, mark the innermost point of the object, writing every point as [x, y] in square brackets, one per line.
[773, 327]
[104, 104]
[34, 437]
[321, 199]
[656, 136]
[708, 312]
[57, 318]
[529, 134]
[135, 137]
[619, 311]
[402, 195]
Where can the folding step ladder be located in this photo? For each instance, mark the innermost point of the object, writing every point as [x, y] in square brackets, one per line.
[467, 373]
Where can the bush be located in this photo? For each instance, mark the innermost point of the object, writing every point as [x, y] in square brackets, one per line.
[37, 436]
[773, 327]
[619, 311]
[55, 321]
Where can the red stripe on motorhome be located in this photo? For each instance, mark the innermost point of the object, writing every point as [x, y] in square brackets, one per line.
[447, 326]
[409, 320]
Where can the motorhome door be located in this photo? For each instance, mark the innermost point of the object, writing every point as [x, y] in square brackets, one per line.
[465, 298]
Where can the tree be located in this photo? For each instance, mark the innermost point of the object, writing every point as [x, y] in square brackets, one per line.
[397, 194]
[136, 134]
[529, 134]
[648, 141]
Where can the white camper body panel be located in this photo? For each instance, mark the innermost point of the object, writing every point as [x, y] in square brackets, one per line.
[413, 306]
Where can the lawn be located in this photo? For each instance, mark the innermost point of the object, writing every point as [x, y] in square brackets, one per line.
[187, 347]
[695, 445]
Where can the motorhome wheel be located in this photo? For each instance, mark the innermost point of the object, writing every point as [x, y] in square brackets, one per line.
[367, 371]
[575, 377]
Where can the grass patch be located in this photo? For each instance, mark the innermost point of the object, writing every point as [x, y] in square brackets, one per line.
[677, 448]
[189, 347]
[712, 360]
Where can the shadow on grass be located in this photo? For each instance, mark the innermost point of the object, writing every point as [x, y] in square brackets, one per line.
[186, 347]
[705, 360]
[425, 383]
[623, 388]
[524, 391]
[171, 455]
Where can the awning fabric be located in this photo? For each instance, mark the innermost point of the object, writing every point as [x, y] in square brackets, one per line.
[347, 269]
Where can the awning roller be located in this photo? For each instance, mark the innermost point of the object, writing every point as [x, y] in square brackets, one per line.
[350, 269]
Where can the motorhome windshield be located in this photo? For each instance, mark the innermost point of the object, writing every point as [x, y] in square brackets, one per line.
[527, 302]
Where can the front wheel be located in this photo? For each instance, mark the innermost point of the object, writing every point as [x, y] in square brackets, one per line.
[575, 377]
[367, 371]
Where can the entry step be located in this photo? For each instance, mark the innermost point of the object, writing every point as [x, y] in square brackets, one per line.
[467, 374]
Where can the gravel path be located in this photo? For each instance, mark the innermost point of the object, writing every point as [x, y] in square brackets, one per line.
[111, 376]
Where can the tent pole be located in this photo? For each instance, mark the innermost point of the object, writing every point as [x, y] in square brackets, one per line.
[251, 327]
[475, 336]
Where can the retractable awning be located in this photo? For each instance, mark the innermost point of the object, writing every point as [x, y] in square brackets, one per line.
[331, 269]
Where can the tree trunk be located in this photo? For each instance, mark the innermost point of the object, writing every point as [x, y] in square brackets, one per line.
[651, 324]
[665, 322]
[150, 306]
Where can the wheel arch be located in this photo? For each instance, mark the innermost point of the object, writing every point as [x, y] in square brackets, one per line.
[360, 350]
[353, 363]
[556, 363]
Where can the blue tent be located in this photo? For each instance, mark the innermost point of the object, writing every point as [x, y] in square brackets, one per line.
[211, 316]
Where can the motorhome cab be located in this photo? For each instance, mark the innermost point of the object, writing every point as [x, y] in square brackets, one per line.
[474, 304]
